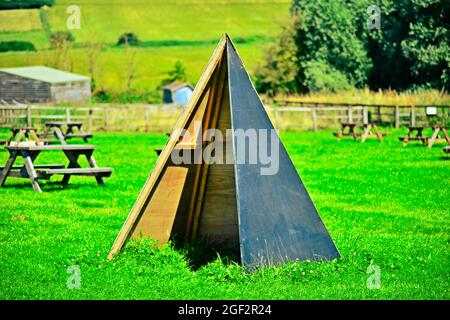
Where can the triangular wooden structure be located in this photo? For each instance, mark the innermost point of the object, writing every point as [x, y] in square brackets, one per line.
[270, 218]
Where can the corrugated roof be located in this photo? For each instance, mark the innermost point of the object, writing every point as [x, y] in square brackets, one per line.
[174, 86]
[45, 74]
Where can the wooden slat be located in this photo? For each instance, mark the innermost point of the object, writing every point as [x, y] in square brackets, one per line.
[219, 219]
[78, 171]
[39, 166]
[68, 147]
[159, 215]
[78, 135]
[216, 106]
[200, 173]
[63, 123]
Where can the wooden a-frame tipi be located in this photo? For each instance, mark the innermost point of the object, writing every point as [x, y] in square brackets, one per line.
[270, 218]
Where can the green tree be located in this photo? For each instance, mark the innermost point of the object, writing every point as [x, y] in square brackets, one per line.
[128, 39]
[279, 72]
[24, 4]
[331, 40]
[320, 41]
[177, 73]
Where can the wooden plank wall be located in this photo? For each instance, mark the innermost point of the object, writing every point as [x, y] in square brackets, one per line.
[219, 220]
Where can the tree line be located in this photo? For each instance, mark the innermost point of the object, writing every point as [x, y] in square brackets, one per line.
[344, 44]
[24, 4]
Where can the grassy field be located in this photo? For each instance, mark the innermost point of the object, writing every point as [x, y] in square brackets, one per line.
[152, 63]
[384, 205]
[19, 20]
[169, 31]
[153, 20]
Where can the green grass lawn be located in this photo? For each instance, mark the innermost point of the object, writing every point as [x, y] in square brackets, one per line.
[383, 204]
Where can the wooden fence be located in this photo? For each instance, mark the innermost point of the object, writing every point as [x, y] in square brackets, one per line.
[148, 118]
[298, 115]
[286, 115]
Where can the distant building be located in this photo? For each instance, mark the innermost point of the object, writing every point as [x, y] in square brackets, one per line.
[43, 84]
[177, 92]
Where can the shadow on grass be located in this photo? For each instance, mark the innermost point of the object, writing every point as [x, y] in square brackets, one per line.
[200, 253]
[47, 186]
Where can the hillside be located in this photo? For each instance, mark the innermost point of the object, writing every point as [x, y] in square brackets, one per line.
[169, 31]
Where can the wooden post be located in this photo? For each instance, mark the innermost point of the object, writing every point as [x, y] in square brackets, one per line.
[147, 119]
[90, 113]
[380, 120]
[349, 115]
[413, 116]
[397, 117]
[314, 117]
[29, 118]
[107, 119]
[365, 116]
[68, 114]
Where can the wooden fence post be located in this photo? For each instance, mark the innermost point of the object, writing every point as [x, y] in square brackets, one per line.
[413, 116]
[349, 115]
[68, 114]
[314, 117]
[147, 119]
[29, 117]
[379, 117]
[90, 113]
[107, 119]
[397, 117]
[365, 115]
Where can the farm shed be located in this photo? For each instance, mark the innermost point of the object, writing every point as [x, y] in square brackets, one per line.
[177, 92]
[43, 84]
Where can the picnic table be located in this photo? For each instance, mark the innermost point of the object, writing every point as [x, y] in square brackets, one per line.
[73, 129]
[33, 172]
[27, 133]
[415, 133]
[348, 129]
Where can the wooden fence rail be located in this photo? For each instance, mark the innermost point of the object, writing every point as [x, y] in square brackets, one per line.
[286, 115]
[391, 115]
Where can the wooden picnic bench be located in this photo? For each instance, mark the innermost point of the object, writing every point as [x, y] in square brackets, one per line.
[19, 134]
[368, 131]
[436, 137]
[415, 133]
[34, 172]
[56, 127]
